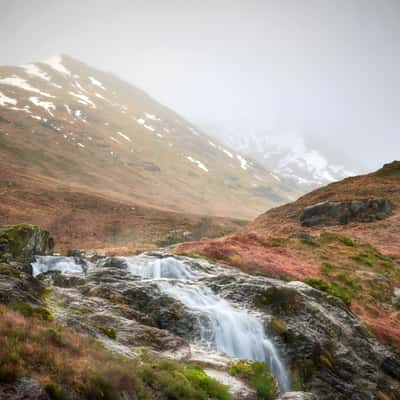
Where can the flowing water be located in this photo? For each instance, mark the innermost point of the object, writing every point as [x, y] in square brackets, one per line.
[223, 325]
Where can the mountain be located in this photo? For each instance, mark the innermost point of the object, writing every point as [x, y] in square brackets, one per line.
[342, 238]
[302, 162]
[66, 121]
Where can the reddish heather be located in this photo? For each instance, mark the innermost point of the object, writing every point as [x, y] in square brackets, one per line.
[253, 254]
[384, 322]
[252, 249]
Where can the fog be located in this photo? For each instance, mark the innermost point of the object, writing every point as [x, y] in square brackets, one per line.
[327, 70]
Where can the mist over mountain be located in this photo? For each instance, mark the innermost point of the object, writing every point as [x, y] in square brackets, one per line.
[299, 158]
[200, 200]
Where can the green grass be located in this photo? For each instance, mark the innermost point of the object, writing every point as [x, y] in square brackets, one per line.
[28, 310]
[344, 292]
[180, 382]
[258, 376]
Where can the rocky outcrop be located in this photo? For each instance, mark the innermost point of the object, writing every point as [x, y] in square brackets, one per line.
[23, 389]
[298, 396]
[330, 213]
[328, 350]
[24, 241]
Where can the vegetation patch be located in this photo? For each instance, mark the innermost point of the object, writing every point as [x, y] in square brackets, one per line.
[333, 237]
[346, 294]
[258, 376]
[110, 332]
[66, 362]
[182, 382]
[28, 310]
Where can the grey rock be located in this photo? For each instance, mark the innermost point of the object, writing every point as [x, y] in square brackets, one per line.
[24, 241]
[298, 396]
[342, 212]
[23, 389]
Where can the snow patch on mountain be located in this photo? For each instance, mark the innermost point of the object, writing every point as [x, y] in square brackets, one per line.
[55, 62]
[18, 82]
[47, 105]
[97, 83]
[6, 100]
[34, 70]
[198, 163]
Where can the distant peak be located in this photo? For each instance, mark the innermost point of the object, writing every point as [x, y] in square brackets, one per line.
[56, 62]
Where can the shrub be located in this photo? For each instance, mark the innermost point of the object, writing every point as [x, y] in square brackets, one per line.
[257, 375]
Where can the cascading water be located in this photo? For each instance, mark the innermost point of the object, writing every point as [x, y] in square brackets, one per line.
[66, 265]
[223, 327]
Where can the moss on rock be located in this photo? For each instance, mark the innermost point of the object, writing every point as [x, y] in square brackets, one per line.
[23, 241]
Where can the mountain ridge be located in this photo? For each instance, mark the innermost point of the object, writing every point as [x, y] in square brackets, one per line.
[115, 138]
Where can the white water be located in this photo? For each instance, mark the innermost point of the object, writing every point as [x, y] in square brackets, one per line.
[225, 328]
[66, 265]
[151, 267]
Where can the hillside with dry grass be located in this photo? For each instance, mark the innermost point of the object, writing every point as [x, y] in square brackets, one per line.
[64, 120]
[357, 262]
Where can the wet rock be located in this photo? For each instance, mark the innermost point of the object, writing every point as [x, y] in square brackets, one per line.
[298, 396]
[342, 212]
[24, 241]
[56, 278]
[391, 365]
[17, 286]
[23, 389]
[327, 349]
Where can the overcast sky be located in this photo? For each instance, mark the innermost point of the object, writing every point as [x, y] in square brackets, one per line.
[326, 67]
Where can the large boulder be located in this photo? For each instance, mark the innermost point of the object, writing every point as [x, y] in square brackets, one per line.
[342, 212]
[24, 241]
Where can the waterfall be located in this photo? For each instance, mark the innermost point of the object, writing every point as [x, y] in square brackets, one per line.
[224, 327]
[66, 265]
[150, 267]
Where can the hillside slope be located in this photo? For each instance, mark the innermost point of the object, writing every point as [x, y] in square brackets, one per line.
[67, 121]
[355, 261]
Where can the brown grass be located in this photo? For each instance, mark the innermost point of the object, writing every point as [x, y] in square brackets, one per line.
[360, 270]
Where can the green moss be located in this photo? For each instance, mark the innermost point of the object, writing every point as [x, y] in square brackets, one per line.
[344, 293]
[14, 238]
[258, 376]
[110, 332]
[279, 242]
[327, 269]
[28, 310]
[362, 259]
[179, 382]
[279, 327]
[55, 392]
[346, 241]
